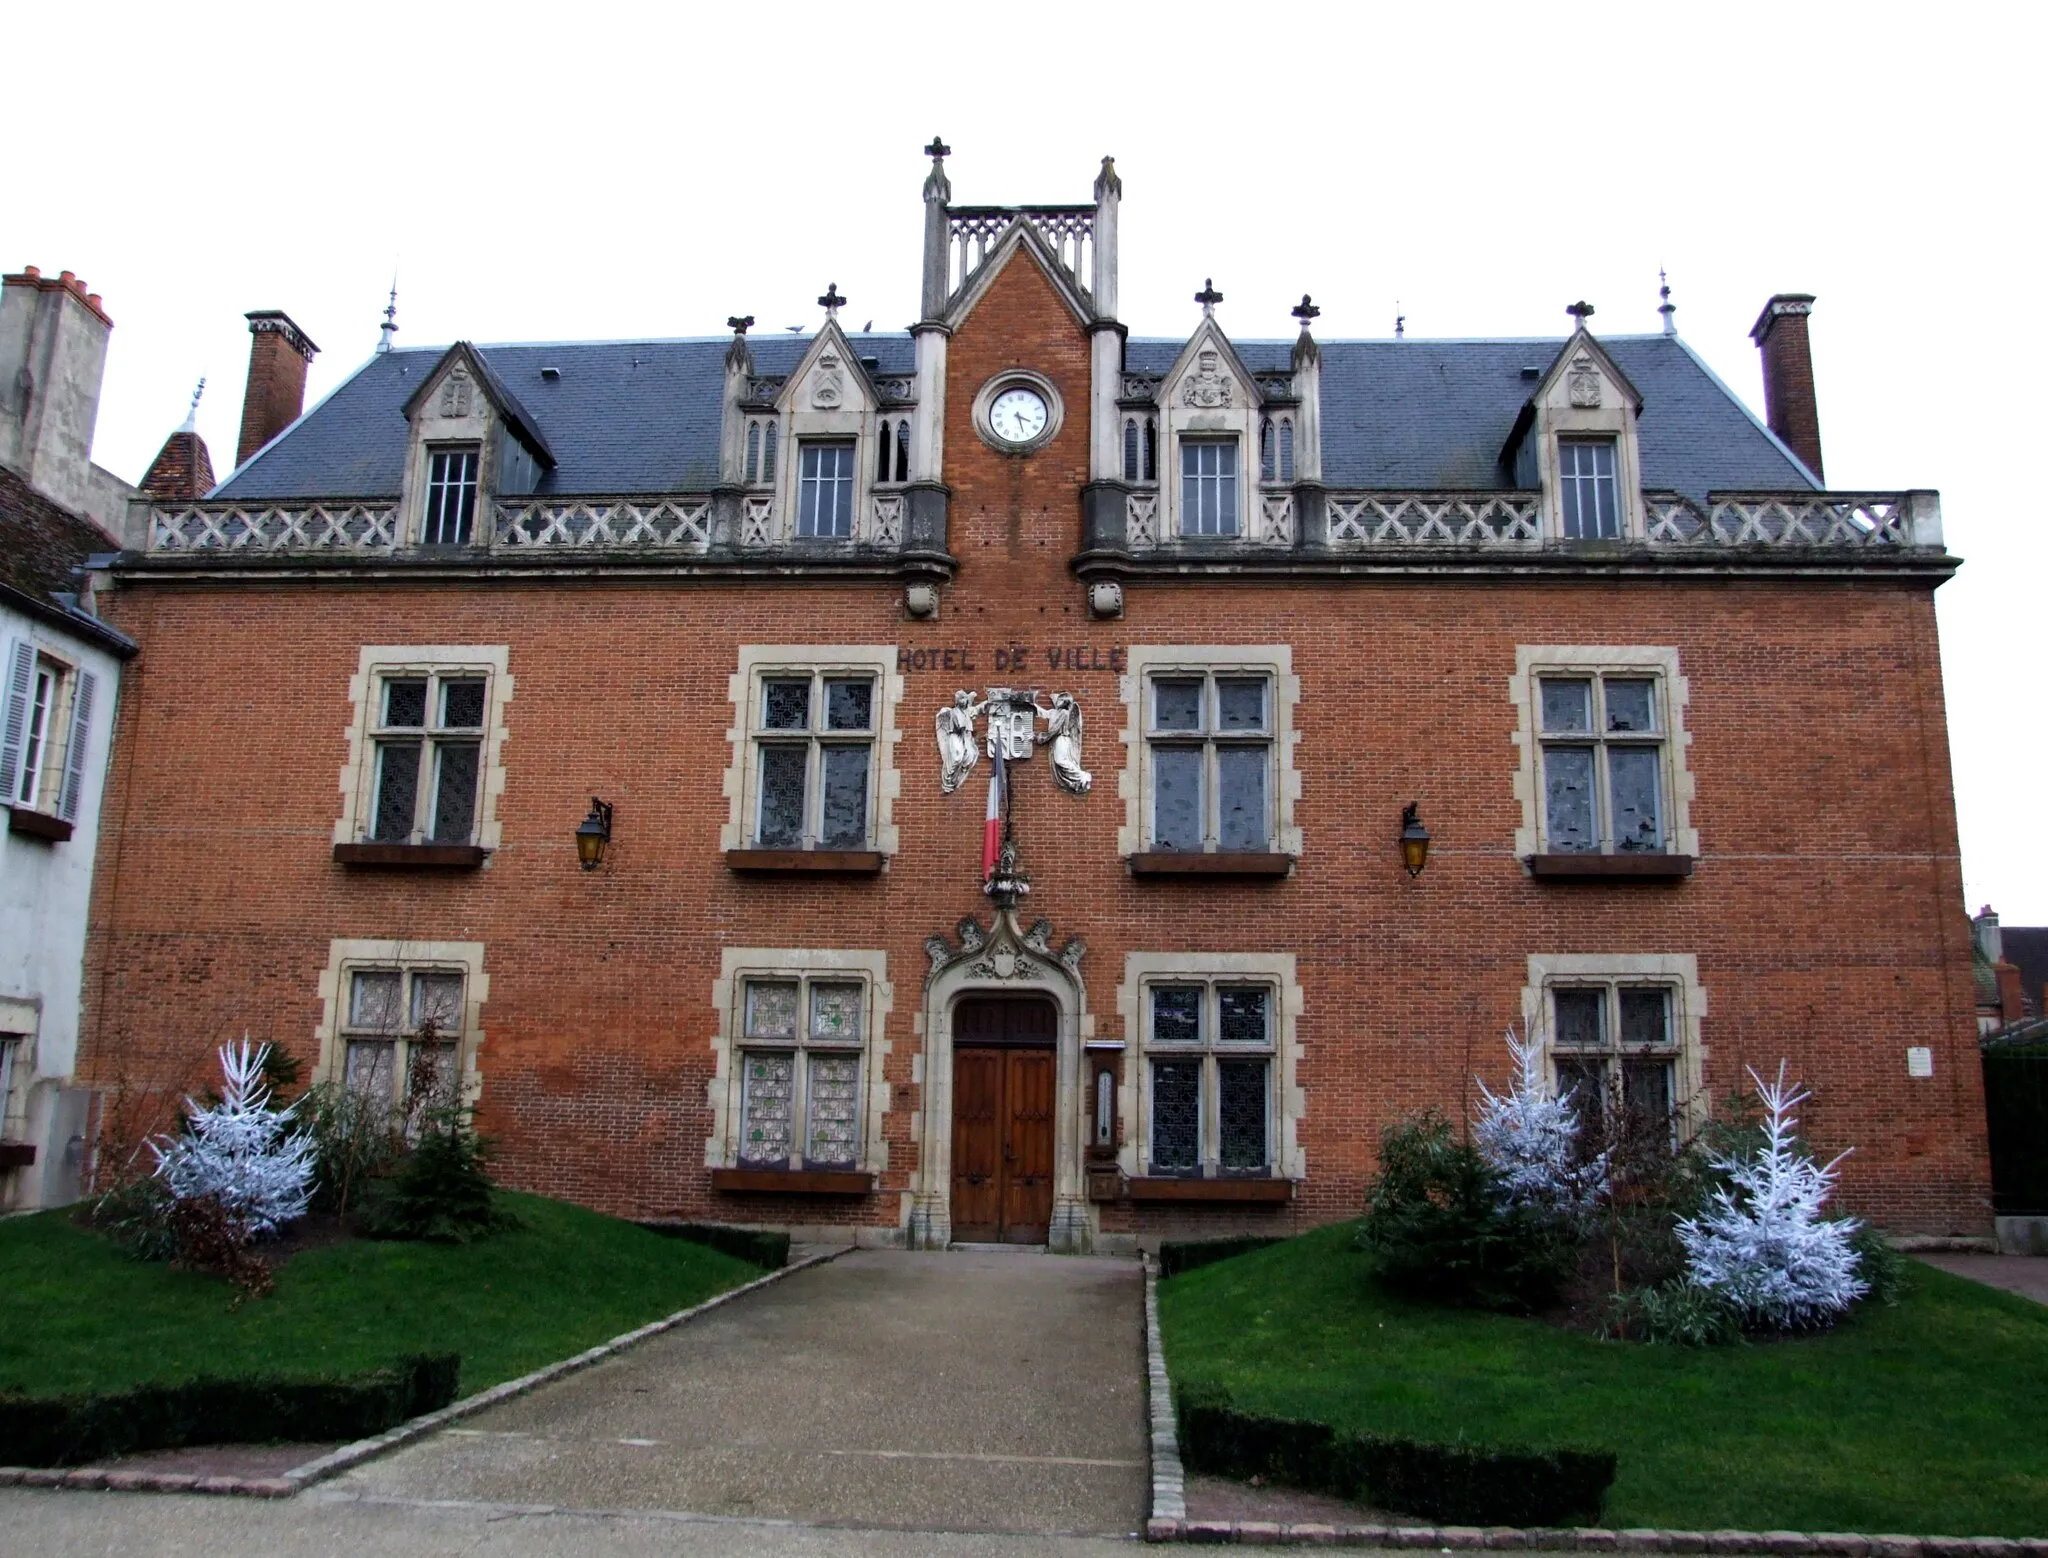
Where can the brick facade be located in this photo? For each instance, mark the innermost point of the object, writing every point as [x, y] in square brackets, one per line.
[1823, 912]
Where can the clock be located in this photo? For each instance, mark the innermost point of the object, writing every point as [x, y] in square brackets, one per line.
[1018, 415]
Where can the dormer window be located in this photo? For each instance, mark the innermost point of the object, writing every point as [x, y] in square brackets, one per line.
[451, 496]
[1588, 497]
[1208, 487]
[825, 489]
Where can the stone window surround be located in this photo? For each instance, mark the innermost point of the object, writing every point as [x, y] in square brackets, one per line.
[1614, 418]
[743, 688]
[358, 773]
[1673, 694]
[1277, 971]
[1677, 972]
[345, 955]
[1276, 661]
[728, 996]
[20, 1022]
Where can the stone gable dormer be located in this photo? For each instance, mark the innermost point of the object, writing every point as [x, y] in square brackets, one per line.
[462, 405]
[1582, 412]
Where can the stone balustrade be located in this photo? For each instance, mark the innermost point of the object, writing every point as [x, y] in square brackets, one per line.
[604, 523]
[311, 525]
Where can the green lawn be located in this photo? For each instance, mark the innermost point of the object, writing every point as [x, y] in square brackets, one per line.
[1930, 1417]
[78, 1315]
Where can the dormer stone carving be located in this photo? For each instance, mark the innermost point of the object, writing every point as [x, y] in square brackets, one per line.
[455, 394]
[1208, 387]
[1584, 381]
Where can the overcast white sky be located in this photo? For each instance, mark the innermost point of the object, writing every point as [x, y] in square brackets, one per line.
[603, 171]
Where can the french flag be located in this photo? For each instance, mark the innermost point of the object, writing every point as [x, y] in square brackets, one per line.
[992, 830]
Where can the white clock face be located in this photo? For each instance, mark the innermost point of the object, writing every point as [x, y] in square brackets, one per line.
[1017, 415]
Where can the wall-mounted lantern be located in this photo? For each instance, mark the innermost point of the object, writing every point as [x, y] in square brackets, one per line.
[593, 833]
[1414, 840]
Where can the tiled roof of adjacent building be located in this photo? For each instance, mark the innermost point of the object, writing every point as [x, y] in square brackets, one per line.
[42, 545]
[643, 416]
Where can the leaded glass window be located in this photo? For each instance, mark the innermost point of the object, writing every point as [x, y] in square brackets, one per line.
[1603, 747]
[402, 1032]
[428, 745]
[1210, 748]
[814, 738]
[801, 1054]
[1589, 498]
[1615, 1046]
[1210, 1049]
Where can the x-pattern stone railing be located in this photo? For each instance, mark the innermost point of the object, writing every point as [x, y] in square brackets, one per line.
[313, 525]
[1435, 518]
[1844, 519]
[605, 523]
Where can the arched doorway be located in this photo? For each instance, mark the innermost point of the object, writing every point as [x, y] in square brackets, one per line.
[1005, 1104]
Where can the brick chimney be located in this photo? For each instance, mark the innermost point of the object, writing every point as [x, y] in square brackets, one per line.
[278, 354]
[1789, 403]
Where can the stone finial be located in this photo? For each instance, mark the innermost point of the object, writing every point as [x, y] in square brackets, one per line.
[1666, 307]
[1106, 182]
[1305, 311]
[832, 302]
[936, 185]
[1400, 321]
[739, 323]
[1581, 311]
[1208, 297]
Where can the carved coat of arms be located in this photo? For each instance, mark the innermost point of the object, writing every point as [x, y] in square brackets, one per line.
[828, 385]
[1208, 386]
[1582, 384]
[1013, 732]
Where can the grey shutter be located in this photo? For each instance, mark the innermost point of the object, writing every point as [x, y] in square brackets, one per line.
[75, 748]
[21, 671]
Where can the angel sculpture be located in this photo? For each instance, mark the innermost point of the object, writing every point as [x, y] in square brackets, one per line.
[957, 747]
[1063, 732]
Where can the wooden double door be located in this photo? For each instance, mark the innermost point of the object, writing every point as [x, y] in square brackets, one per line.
[1005, 1088]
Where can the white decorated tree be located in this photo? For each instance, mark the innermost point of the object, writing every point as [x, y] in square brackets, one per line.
[1762, 1243]
[1531, 1138]
[241, 1151]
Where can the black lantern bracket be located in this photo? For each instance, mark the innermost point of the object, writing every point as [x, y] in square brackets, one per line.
[594, 834]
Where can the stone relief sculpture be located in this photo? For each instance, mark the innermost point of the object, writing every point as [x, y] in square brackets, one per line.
[1207, 386]
[1063, 733]
[1583, 384]
[957, 747]
[1013, 718]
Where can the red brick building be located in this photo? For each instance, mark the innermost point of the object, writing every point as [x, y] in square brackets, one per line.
[1670, 714]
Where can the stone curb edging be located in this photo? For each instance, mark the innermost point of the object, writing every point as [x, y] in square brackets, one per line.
[1169, 1518]
[1169, 1480]
[99, 1478]
[1776, 1544]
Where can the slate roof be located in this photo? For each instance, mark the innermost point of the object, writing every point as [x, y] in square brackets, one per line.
[41, 544]
[642, 416]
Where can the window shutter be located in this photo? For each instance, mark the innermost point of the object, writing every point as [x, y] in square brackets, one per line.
[21, 670]
[75, 748]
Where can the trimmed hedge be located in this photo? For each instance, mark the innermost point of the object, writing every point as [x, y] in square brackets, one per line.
[765, 1249]
[1452, 1484]
[84, 1430]
[1178, 1255]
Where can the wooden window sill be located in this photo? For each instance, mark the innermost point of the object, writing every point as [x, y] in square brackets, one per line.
[793, 1182]
[807, 862]
[1165, 1188]
[37, 824]
[439, 857]
[1175, 862]
[1643, 867]
[17, 1154]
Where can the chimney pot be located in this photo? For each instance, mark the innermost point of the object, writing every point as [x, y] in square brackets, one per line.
[93, 298]
[32, 272]
[1790, 406]
[65, 277]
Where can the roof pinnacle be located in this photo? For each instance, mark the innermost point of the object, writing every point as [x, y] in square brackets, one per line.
[1208, 297]
[1400, 321]
[1667, 308]
[191, 422]
[832, 302]
[390, 326]
[1581, 311]
[1305, 311]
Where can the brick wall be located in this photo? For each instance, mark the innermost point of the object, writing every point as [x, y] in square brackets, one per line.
[1825, 912]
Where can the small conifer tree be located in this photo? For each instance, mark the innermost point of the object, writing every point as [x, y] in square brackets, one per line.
[1531, 1138]
[240, 1152]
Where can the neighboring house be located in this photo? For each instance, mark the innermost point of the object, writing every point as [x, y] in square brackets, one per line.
[1670, 711]
[60, 669]
[2009, 967]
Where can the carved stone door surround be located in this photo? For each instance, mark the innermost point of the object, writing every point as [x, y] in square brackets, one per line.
[1004, 958]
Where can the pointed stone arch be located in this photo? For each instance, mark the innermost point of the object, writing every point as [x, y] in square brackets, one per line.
[1006, 958]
